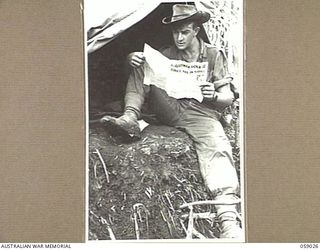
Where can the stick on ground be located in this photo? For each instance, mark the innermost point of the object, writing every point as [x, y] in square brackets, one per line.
[190, 224]
[211, 202]
[103, 164]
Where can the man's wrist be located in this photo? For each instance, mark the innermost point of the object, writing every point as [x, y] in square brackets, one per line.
[214, 97]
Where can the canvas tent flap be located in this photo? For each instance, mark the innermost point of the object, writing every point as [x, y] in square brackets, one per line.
[104, 26]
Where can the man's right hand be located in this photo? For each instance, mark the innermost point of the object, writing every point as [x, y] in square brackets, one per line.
[136, 59]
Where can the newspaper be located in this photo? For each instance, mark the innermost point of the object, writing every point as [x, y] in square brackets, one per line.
[178, 78]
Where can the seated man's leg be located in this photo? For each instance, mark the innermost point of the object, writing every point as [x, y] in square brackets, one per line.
[127, 124]
[216, 165]
[166, 108]
[136, 92]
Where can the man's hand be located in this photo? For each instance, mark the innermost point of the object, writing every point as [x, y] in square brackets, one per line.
[207, 90]
[136, 59]
[221, 98]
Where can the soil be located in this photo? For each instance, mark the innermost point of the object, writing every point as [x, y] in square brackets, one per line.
[146, 183]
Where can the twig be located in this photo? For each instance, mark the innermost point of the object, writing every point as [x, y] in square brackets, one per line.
[96, 216]
[164, 218]
[135, 212]
[206, 215]
[168, 224]
[105, 222]
[95, 169]
[171, 217]
[171, 206]
[198, 234]
[144, 139]
[110, 220]
[147, 223]
[148, 192]
[182, 198]
[187, 169]
[197, 194]
[180, 181]
[191, 194]
[183, 226]
[103, 164]
[111, 234]
[190, 224]
[211, 202]
[136, 226]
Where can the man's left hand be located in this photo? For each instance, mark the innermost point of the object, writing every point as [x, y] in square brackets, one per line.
[207, 90]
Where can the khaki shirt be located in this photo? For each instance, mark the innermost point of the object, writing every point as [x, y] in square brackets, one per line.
[217, 63]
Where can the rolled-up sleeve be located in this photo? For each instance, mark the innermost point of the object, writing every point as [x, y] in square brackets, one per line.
[220, 75]
[220, 67]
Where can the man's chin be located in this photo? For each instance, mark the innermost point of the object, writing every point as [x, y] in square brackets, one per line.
[180, 46]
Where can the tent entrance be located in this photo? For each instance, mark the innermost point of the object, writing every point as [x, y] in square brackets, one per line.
[107, 68]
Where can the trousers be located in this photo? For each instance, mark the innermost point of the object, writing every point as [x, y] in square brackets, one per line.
[199, 122]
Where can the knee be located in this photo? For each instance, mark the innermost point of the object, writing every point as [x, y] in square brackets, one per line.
[165, 107]
[157, 94]
[218, 145]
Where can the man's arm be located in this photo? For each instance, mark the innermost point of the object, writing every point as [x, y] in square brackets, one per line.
[223, 97]
[219, 98]
[217, 92]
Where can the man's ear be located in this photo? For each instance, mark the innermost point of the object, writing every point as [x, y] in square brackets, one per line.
[196, 30]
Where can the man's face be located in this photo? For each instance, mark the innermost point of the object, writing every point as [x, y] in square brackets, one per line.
[184, 34]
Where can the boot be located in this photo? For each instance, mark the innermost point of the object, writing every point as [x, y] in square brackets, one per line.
[126, 125]
[227, 216]
[229, 227]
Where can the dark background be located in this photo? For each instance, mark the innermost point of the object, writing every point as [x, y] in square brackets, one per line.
[108, 70]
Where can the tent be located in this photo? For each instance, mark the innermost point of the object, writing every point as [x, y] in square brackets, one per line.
[115, 19]
[105, 23]
[114, 30]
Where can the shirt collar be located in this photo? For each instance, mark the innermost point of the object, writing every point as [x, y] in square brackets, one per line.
[203, 51]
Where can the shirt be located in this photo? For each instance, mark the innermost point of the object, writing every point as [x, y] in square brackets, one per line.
[217, 64]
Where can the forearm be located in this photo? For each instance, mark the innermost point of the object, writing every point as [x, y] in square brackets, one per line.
[223, 96]
[222, 100]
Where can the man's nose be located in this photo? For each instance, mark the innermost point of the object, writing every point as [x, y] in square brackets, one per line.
[180, 37]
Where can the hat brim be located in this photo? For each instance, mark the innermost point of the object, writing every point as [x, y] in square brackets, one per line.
[199, 16]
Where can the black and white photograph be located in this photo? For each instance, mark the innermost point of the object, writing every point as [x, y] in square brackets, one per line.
[165, 120]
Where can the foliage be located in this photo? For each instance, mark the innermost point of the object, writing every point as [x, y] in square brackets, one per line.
[223, 28]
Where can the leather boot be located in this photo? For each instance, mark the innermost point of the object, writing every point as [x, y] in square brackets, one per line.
[227, 216]
[126, 125]
[229, 226]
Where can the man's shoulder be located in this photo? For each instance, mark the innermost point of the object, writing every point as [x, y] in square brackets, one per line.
[211, 48]
[212, 51]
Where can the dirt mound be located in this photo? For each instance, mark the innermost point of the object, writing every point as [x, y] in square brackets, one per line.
[136, 189]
